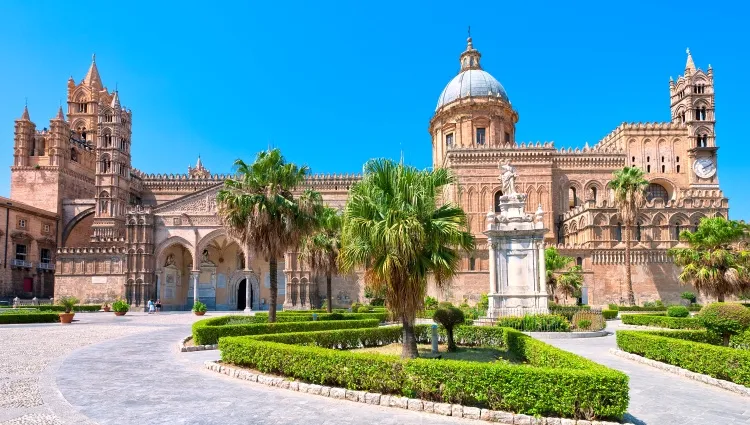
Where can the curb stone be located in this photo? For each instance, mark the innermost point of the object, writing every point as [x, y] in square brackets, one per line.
[184, 349]
[387, 400]
[706, 379]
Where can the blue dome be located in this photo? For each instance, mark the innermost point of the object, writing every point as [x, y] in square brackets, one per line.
[471, 82]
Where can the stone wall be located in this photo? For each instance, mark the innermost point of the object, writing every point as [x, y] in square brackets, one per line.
[91, 289]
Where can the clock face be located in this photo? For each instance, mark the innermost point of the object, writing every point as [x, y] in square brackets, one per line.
[704, 167]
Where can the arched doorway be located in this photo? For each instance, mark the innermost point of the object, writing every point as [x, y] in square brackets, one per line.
[241, 301]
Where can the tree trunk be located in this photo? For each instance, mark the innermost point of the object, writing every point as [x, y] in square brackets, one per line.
[328, 292]
[720, 297]
[451, 342]
[628, 273]
[272, 270]
[409, 346]
[725, 339]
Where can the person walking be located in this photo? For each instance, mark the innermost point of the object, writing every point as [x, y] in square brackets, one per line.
[158, 306]
[151, 306]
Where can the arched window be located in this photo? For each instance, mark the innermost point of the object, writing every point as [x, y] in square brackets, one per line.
[678, 164]
[472, 263]
[593, 193]
[107, 140]
[449, 140]
[618, 232]
[73, 155]
[579, 261]
[498, 194]
[655, 190]
[677, 230]
[702, 141]
[572, 198]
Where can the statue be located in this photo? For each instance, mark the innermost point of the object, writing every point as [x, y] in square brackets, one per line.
[170, 260]
[508, 177]
[205, 256]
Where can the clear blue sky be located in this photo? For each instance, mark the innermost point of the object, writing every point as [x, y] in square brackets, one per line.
[333, 85]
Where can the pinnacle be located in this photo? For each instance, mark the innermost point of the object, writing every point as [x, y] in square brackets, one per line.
[92, 78]
[25, 115]
[690, 65]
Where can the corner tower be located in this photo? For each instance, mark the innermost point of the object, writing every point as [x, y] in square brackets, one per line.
[692, 104]
[473, 111]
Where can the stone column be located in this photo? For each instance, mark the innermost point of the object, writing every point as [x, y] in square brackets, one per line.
[493, 264]
[194, 275]
[248, 289]
[542, 270]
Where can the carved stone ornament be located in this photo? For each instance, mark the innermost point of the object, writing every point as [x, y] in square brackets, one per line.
[508, 178]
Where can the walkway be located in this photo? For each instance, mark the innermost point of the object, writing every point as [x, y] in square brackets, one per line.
[109, 370]
[658, 397]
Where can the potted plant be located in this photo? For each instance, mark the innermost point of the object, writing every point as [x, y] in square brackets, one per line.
[120, 307]
[68, 303]
[105, 307]
[199, 308]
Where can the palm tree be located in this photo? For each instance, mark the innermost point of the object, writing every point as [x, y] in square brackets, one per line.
[258, 210]
[712, 262]
[561, 278]
[320, 249]
[629, 187]
[396, 230]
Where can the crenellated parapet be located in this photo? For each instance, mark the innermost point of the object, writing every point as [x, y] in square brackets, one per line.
[94, 249]
[613, 140]
[323, 182]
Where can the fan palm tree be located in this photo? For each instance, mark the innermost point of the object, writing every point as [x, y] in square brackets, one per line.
[396, 230]
[561, 278]
[712, 263]
[259, 211]
[629, 188]
[320, 249]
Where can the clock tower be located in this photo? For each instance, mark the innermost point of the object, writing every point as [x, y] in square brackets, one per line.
[692, 104]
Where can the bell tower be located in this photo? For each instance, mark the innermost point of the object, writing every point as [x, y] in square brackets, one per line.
[692, 104]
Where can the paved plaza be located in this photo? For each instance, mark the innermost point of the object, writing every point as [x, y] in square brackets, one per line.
[108, 370]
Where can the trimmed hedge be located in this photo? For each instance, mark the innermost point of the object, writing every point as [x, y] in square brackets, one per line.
[553, 383]
[28, 317]
[695, 307]
[208, 331]
[661, 321]
[609, 314]
[303, 316]
[725, 363]
[568, 311]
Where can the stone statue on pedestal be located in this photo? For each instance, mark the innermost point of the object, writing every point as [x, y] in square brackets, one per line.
[508, 178]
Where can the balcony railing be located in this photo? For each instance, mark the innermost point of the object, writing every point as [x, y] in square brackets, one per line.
[46, 266]
[20, 263]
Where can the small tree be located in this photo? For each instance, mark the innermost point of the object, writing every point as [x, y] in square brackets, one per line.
[725, 319]
[561, 278]
[712, 263]
[449, 316]
[67, 302]
[688, 296]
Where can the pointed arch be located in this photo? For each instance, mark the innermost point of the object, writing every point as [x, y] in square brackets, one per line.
[544, 199]
[470, 199]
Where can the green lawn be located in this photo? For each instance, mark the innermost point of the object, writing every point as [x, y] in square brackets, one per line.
[471, 354]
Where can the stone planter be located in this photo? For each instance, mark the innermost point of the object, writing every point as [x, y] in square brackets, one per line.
[199, 313]
[120, 313]
[66, 317]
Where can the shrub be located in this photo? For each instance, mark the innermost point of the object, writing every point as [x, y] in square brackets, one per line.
[67, 302]
[741, 341]
[639, 308]
[720, 362]
[59, 308]
[613, 307]
[199, 307]
[568, 311]
[449, 317]
[355, 307]
[206, 332]
[661, 321]
[689, 296]
[678, 311]
[364, 309]
[28, 317]
[120, 306]
[725, 319]
[595, 319]
[430, 303]
[583, 324]
[535, 323]
[552, 383]
[609, 314]
[377, 302]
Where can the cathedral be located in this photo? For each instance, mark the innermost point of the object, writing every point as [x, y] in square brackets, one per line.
[81, 220]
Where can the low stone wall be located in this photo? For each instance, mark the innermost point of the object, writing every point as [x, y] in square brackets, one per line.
[731, 386]
[184, 348]
[386, 400]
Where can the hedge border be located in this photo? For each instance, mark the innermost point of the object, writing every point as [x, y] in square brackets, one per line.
[208, 331]
[681, 349]
[386, 400]
[553, 382]
[84, 308]
[661, 321]
[706, 379]
[40, 317]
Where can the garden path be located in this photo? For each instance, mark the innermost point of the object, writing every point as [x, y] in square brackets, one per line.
[659, 397]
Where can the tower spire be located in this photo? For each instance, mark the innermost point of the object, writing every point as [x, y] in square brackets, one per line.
[92, 78]
[690, 65]
[25, 116]
[60, 115]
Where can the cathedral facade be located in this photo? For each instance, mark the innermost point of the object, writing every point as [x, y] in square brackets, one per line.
[123, 233]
